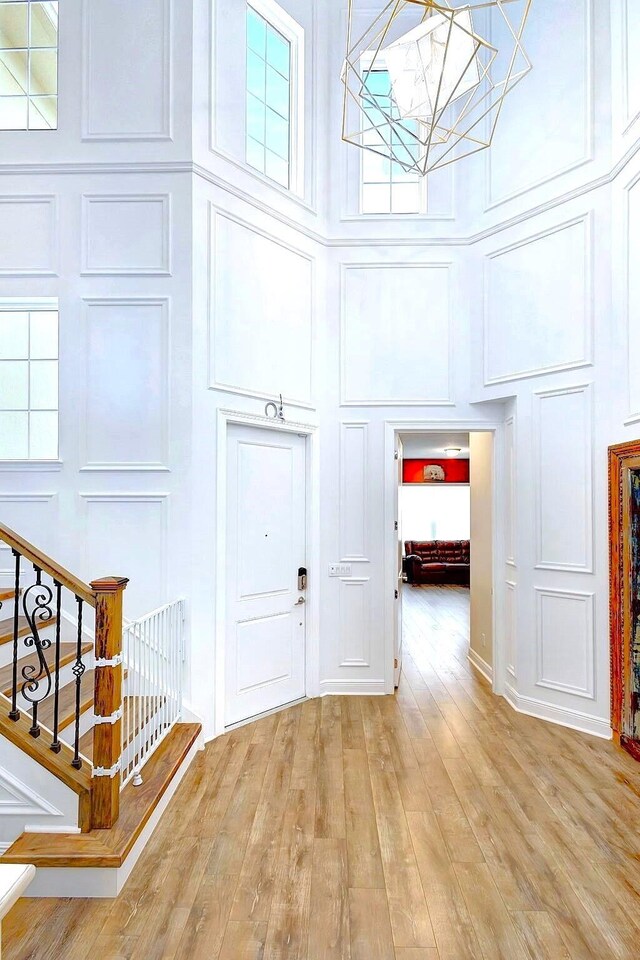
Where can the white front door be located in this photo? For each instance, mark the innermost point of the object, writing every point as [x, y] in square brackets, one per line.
[266, 545]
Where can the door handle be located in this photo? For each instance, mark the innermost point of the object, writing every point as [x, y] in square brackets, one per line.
[299, 602]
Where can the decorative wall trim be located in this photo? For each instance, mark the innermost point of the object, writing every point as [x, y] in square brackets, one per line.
[629, 118]
[588, 601]
[563, 716]
[634, 415]
[589, 125]
[216, 213]
[480, 665]
[22, 801]
[587, 360]
[165, 132]
[19, 497]
[512, 487]
[587, 491]
[345, 268]
[163, 269]
[364, 660]
[352, 688]
[355, 479]
[45, 200]
[128, 465]
[511, 627]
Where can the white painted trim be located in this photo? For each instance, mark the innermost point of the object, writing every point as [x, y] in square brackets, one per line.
[345, 556]
[345, 268]
[216, 670]
[352, 688]
[391, 430]
[480, 665]
[50, 200]
[163, 270]
[165, 132]
[563, 716]
[589, 600]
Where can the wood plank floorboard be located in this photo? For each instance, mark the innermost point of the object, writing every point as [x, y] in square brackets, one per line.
[437, 824]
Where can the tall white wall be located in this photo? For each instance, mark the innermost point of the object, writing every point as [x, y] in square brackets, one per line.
[511, 302]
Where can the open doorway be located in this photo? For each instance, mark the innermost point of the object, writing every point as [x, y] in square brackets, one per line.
[445, 549]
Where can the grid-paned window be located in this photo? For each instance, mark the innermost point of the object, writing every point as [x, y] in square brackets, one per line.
[386, 186]
[28, 65]
[269, 100]
[28, 383]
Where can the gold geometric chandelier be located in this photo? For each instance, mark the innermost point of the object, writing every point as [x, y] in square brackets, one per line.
[422, 87]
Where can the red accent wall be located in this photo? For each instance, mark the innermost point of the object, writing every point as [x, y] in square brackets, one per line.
[455, 471]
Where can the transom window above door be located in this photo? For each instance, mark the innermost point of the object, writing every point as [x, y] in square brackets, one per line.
[28, 65]
[274, 54]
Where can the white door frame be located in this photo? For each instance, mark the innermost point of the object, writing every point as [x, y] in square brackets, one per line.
[391, 430]
[312, 646]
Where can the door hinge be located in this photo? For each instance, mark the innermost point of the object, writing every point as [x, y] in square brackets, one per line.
[395, 664]
[396, 455]
[395, 524]
[397, 594]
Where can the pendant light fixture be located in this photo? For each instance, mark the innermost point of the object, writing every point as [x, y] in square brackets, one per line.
[422, 87]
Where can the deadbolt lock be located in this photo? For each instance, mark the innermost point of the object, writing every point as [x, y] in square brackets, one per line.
[302, 578]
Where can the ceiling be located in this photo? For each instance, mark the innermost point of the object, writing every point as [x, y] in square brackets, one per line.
[424, 446]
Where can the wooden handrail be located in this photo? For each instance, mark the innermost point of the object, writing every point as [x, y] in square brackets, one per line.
[49, 566]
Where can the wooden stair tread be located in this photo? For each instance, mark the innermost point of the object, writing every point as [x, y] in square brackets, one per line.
[6, 627]
[110, 848]
[67, 654]
[153, 705]
[9, 594]
[67, 702]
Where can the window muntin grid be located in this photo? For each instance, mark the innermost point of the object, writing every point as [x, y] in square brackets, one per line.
[268, 99]
[28, 65]
[386, 187]
[28, 383]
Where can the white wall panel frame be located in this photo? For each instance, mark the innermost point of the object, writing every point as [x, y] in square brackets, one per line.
[160, 465]
[30, 498]
[49, 266]
[512, 487]
[354, 492]
[355, 635]
[216, 382]
[90, 265]
[511, 639]
[631, 300]
[631, 106]
[589, 124]
[92, 131]
[586, 360]
[584, 484]
[443, 401]
[545, 595]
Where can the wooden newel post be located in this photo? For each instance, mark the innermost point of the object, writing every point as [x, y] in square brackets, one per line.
[107, 736]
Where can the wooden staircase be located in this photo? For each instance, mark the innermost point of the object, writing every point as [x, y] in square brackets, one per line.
[64, 704]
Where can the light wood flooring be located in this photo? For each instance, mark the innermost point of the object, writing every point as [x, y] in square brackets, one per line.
[434, 825]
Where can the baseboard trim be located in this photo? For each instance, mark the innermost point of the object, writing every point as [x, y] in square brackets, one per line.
[562, 716]
[480, 665]
[352, 688]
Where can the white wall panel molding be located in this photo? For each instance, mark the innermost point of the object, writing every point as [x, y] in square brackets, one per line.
[132, 333]
[564, 488]
[631, 295]
[18, 799]
[32, 515]
[511, 638]
[395, 334]
[565, 641]
[136, 104]
[542, 341]
[583, 144]
[28, 236]
[352, 688]
[260, 357]
[512, 486]
[564, 716]
[126, 533]
[126, 234]
[354, 491]
[630, 65]
[355, 621]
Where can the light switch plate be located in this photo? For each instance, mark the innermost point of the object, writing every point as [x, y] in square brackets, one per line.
[339, 569]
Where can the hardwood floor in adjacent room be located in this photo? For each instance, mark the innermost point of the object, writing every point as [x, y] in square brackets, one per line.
[434, 825]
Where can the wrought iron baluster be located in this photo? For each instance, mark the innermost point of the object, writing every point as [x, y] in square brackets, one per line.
[55, 743]
[14, 713]
[36, 607]
[78, 669]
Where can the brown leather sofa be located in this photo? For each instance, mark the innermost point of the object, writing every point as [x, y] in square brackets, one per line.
[438, 561]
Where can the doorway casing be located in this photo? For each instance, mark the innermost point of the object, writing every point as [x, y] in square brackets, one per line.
[312, 649]
[393, 429]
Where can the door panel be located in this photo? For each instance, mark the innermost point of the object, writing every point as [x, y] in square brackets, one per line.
[397, 665]
[266, 505]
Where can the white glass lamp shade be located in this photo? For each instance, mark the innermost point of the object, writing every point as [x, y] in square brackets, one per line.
[433, 64]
